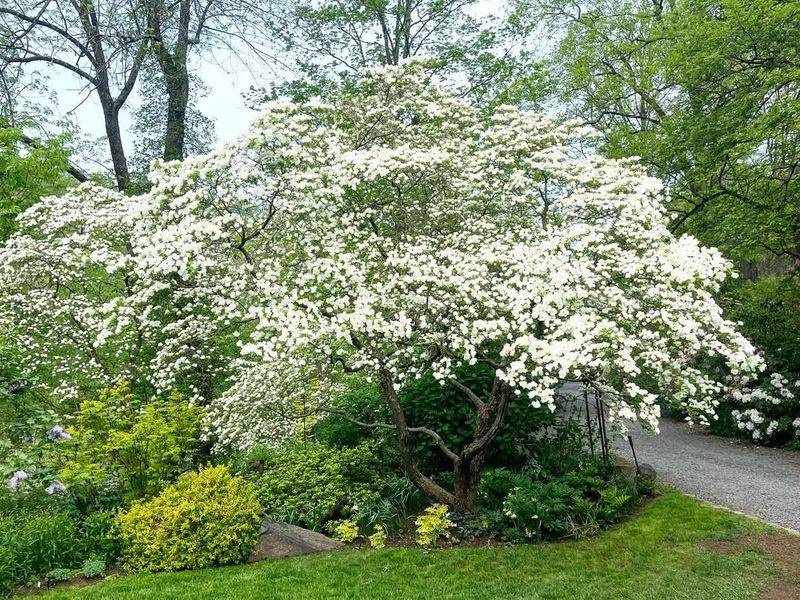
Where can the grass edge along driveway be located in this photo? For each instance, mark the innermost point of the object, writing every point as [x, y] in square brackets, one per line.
[675, 547]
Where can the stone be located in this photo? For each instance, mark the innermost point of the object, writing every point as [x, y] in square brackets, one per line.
[277, 539]
[625, 468]
[647, 471]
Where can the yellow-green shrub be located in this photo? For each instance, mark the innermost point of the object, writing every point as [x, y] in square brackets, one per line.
[346, 531]
[432, 525]
[205, 519]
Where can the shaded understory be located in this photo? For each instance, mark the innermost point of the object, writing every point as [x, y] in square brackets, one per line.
[675, 547]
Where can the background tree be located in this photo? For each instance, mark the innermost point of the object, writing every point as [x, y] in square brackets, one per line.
[239, 28]
[149, 125]
[29, 169]
[102, 45]
[706, 92]
[477, 50]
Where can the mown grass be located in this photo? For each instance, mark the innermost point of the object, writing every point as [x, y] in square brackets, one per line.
[653, 555]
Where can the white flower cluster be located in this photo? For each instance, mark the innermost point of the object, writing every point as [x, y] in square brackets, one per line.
[394, 231]
[764, 408]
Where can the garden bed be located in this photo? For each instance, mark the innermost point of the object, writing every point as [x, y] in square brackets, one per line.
[670, 549]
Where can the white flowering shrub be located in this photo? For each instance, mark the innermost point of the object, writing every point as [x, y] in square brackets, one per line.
[393, 231]
[81, 313]
[769, 413]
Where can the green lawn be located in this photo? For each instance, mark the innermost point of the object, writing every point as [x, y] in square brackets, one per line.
[654, 555]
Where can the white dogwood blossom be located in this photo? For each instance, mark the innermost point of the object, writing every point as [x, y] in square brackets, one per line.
[393, 231]
[766, 412]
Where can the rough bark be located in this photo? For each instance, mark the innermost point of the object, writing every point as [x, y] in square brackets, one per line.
[174, 67]
[468, 462]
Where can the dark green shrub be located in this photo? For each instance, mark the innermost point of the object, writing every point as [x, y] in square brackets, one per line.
[565, 506]
[561, 491]
[440, 407]
[101, 536]
[206, 518]
[362, 401]
[769, 310]
[311, 484]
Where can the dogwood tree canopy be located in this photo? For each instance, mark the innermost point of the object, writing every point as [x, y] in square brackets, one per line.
[393, 231]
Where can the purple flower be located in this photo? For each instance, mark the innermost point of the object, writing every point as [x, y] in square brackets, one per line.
[56, 488]
[18, 478]
[58, 433]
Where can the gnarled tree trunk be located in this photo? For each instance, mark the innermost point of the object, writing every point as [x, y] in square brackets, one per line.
[467, 462]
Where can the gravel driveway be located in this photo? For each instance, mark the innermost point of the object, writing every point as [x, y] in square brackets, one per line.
[763, 482]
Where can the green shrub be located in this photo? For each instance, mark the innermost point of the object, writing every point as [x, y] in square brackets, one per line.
[206, 518]
[121, 441]
[362, 400]
[93, 567]
[535, 502]
[310, 485]
[101, 536]
[34, 543]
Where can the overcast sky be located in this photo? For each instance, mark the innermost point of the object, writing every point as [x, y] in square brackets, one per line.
[226, 79]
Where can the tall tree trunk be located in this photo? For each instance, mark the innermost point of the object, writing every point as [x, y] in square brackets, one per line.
[174, 67]
[177, 84]
[114, 134]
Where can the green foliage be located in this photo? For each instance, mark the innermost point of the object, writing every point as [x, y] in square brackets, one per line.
[399, 498]
[93, 567]
[135, 446]
[58, 575]
[769, 310]
[41, 533]
[101, 536]
[440, 407]
[362, 401]
[531, 504]
[561, 490]
[27, 172]
[206, 518]
[705, 92]
[432, 525]
[311, 484]
[34, 543]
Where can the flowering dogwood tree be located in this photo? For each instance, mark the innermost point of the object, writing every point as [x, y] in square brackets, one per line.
[395, 232]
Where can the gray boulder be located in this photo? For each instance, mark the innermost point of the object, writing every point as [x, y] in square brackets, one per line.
[279, 540]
